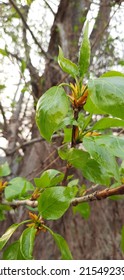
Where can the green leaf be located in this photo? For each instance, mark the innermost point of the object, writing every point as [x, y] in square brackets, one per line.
[83, 209]
[6, 236]
[112, 74]
[27, 243]
[12, 252]
[62, 245]
[78, 158]
[95, 173]
[29, 2]
[49, 178]
[108, 95]
[55, 201]
[67, 135]
[122, 239]
[52, 107]
[18, 188]
[103, 156]
[2, 87]
[84, 54]
[67, 65]
[107, 123]
[3, 52]
[23, 66]
[4, 169]
[114, 143]
[90, 168]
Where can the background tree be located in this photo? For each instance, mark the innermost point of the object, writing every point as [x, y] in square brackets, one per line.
[30, 34]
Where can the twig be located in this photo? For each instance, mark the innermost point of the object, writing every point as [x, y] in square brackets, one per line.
[98, 195]
[48, 5]
[31, 203]
[28, 28]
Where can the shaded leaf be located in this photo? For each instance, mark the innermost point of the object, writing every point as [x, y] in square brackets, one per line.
[103, 156]
[12, 252]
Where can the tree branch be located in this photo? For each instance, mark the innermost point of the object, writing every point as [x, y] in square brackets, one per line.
[98, 195]
[28, 28]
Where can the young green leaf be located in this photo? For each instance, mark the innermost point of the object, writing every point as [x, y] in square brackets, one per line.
[17, 188]
[55, 201]
[107, 123]
[84, 53]
[112, 74]
[49, 178]
[12, 252]
[4, 169]
[27, 243]
[6, 236]
[52, 107]
[107, 94]
[62, 245]
[67, 65]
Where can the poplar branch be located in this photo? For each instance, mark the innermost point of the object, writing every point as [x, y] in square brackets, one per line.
[98, 195]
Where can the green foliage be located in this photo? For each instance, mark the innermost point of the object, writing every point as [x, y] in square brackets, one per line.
[67, 65]
[55, 201]
[84, 53]
[27, 243]
[4, 169]
[52, 107]
[49, 178]
[62, 245]
[18, 188]
[107, 94]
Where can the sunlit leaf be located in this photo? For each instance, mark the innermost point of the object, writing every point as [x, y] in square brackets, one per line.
[84, 53]
[67, 65]
[55, 201]
[27, 243]
[52, 107]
